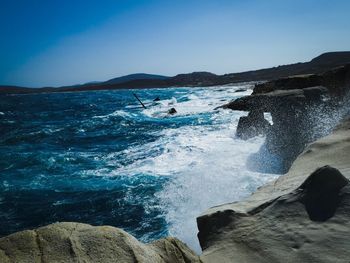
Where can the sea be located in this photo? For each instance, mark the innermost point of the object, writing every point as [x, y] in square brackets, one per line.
[100, 158]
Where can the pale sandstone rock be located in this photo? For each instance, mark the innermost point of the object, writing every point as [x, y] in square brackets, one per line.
[275, 225]
[76, 242]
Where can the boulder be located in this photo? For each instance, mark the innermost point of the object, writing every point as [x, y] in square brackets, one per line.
[240, 90]
[303, 216]
[76, 242]
[320, 193]
[252, 125]
[172, 111]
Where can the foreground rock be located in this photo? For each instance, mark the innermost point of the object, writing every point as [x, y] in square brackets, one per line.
[302, 216]
[75, 242]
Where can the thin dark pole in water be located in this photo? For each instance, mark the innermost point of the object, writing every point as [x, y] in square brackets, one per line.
[139, 100]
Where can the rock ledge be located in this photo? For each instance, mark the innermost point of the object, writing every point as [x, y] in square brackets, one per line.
[76, 242]
[303, 216]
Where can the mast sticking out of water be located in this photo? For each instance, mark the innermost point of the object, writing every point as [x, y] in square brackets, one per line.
[143, 105]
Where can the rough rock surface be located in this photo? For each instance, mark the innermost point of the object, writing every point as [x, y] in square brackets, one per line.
[252, 125]
[303, 216]
[337, 80]
[303, 109]
[76, 242]
[296, 115]
[277, 99]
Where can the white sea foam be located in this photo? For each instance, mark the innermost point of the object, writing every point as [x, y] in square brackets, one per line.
[200, 101]
[120, 113]
[206, 163]
[218, 175]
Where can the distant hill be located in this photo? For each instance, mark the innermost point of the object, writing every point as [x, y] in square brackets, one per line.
[332, 58]
[90, 83]
[317, 65]
[118, 80]
[136, 76]
[195, 79]
[7, 89]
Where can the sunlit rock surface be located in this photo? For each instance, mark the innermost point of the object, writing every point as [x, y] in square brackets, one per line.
[302, 216]
[76, 242]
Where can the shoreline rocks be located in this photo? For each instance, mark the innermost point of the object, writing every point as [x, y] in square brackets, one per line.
[302, 110]
[76, 242]
[336, 80]
[252, 125]
[300, 217]
[303, 216]
[295, 116]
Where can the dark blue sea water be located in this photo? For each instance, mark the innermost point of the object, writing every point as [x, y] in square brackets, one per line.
[99, 158]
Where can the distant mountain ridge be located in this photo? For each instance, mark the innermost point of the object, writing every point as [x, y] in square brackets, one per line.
[135, 76]
[332, 57]
[317, 65]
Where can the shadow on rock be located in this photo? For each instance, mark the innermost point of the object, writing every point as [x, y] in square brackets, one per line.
[321, 193]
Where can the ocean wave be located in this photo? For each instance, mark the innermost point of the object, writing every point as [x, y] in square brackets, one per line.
[117, 113]
[101, 158]
[206, 165]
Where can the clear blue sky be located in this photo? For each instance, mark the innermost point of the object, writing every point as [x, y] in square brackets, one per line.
[62, 42]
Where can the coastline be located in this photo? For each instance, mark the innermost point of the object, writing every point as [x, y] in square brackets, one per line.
[271, 225]
[317, 65]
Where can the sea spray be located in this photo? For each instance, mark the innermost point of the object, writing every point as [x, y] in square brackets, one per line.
[98, 158]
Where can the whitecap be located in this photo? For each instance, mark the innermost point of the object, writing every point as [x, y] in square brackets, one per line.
[206, 163]
[120, 113]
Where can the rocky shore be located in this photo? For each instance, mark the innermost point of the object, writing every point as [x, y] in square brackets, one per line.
[303, 109]
[303, 216]
[76, 242]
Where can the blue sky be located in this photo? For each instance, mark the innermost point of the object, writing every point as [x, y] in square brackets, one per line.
[53, 43]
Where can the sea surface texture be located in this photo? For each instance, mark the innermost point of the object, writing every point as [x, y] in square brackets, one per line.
[100, 158]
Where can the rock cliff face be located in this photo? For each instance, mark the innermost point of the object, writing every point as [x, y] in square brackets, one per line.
[303, 108]
[337, 80]
[303, 216]
[75, 242]
[296, 116]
